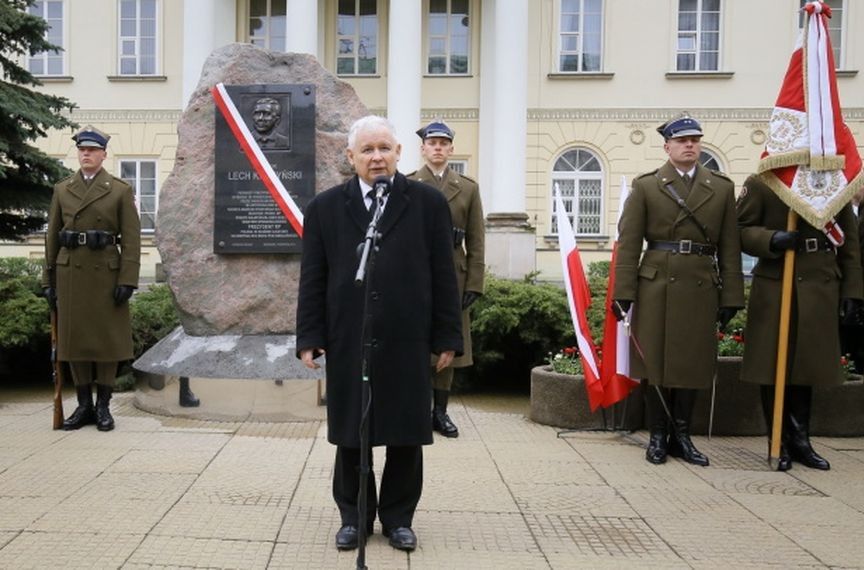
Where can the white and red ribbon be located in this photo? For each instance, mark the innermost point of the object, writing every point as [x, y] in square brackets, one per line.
[256, 157]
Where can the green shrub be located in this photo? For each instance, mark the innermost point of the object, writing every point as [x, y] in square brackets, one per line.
[25, 321]
[153, 317]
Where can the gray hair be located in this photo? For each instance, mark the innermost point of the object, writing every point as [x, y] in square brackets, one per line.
[366, 123]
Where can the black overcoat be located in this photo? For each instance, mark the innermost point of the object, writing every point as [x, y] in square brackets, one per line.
[414, 304]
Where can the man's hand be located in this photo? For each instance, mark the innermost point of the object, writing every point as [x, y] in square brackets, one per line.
[308, 356]
[850, 311]
[620, 307]
[724, 315]
[468, 298]
[445, 359]
[122, 293]
[781, 241]
[50, 294]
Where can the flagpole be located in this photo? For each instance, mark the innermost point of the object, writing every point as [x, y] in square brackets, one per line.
[782, 346]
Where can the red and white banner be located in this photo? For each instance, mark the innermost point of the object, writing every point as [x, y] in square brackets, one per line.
[810, 159]
[579, 299]
[615, 355]
[259, 162]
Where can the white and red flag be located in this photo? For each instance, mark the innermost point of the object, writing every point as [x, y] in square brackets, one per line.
[579, 299]
[257, 159]
[615, 356]
[810, 158]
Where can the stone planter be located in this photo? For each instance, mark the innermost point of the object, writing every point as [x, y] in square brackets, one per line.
[560, 400]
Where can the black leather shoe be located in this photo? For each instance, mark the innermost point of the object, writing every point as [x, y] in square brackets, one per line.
[85, 413]
[346, 537]
[442, 423]
[658, 448]
[803, 453]
[104, 420]
[402, 538]
[681, 447]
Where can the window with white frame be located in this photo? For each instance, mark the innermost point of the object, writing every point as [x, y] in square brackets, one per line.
[578, 176]
[460, 166]
[709, 161]
[52, 62]
[581, 36]
[267, 23]
[141, 175]
[138, 37]
[449, 38]
[698, 47]
[357, 37]
[835, 29]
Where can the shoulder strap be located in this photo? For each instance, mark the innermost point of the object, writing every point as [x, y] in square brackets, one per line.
[683, 205]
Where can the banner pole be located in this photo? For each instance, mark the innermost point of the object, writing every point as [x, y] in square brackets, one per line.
[782, 345]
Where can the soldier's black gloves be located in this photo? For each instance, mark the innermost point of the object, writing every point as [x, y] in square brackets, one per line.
[850, 311]
[781, 241]
[122, 293]
[50, 294]
[724, 315]
[620, 308]
[468, 298]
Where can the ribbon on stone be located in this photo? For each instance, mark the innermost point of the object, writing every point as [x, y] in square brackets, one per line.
[257, 159]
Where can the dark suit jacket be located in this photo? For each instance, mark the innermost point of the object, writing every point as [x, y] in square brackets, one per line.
[414, 304]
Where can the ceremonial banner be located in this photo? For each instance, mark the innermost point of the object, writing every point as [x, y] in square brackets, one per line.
[810, 158]
[579, 298]
[615, 356]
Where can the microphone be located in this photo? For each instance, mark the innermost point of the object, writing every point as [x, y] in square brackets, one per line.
[381, 186]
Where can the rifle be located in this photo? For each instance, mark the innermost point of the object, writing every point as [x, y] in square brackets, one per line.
[56, 374]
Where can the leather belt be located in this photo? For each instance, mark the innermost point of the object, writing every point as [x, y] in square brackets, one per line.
[684, 247]
[814, 244]
[94, 239]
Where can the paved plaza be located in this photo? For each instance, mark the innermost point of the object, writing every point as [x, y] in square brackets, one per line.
[164, 492]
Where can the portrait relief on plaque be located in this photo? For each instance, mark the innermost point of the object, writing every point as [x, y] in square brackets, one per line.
[281, 122]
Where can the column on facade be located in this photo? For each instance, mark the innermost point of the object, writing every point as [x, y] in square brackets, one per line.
[207, 25]
[404, 75]
[510, 247]
[301, 27]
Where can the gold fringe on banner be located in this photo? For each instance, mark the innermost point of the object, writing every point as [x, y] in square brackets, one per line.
[796, 158]
[834, 162]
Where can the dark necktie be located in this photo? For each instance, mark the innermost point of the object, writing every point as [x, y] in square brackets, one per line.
[688, 182]
[371, 196]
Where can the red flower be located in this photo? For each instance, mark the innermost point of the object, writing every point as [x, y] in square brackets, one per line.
[570, 350]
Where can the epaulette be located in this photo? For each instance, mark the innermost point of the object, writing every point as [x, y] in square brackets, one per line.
[652, 173]
[722, 175]
[466, 177]
[68, 179]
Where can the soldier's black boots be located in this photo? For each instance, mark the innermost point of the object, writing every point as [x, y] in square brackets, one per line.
[441, 422]
[767, 393]
[680, 445]
[104, 421]
[187, 398]
[658, 442]
[84, 414]
[798, 401]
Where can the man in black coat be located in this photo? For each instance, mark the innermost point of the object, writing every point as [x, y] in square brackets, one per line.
[414, 306]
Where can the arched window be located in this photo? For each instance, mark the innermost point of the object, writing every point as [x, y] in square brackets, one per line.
[578, 175]
[708, 160]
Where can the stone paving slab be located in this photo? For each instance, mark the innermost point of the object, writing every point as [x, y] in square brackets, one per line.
[6, 537]
[163, 461]
[15, 482]
[188, 552]
[18, 513]
[660, 502]
[163, 488]
[838, 546]
[574, 470]
[581, 500]
[40, 550]
[115, 517]
[820, 511]
[229, 522]
[758, 482]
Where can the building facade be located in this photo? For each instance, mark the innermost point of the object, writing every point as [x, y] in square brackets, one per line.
[540, 93]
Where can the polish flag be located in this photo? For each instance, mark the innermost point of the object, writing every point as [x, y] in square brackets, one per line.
[579, 298]
[615, 364]
[811, 160]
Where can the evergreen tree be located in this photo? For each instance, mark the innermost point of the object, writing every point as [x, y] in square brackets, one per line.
[26, 173]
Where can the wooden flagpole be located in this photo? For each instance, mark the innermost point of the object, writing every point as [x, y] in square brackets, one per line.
[782, 345]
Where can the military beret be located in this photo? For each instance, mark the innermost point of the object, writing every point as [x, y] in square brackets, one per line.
[91, 137]
[435, 129]
[681, 126]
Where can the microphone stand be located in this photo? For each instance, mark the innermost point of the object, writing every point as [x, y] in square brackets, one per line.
[366, 265]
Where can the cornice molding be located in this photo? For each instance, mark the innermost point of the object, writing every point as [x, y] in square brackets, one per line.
[125, 115]
[653, 115]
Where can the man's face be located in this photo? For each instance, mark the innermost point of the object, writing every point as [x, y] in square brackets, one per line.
[375, 153]
[91, 158]
[436, 151]
[683, 151]
[264, 117]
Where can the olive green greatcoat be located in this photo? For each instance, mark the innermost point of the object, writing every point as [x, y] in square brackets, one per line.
[821, 280]
[676, 296]
[90, 326]
[463, 197]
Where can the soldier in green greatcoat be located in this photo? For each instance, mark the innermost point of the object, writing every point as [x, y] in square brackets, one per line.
[687, 280]
[92, 261]
[463, 197]
[827, 279]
